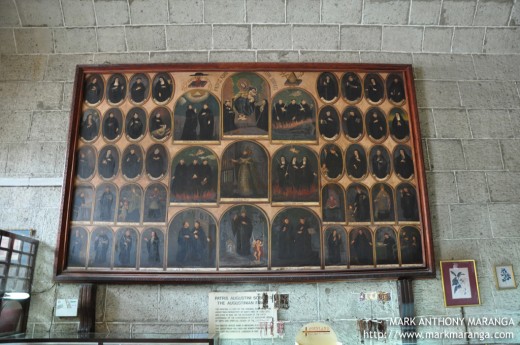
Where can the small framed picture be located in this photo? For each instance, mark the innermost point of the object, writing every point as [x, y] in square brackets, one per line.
[460, 283]
[505, 277]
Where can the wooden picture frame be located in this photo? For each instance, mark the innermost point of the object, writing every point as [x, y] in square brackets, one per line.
[460, 283]
[505, 277]
[242, 172]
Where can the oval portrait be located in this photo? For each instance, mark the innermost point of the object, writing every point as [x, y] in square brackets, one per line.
[333, 203]
[328, 123]
[135, 124]
[395, 88]
[196, 117]
[335, 241]
[108, 162]
[160, 124]
[398, 122]
[294, 116]
[411, 245]
[82, 204]
[327, 86]
[374, 88]
[162, 88]
[132, 162]
[380, 164]
[352, 123]
[129, 208]
[77, 256]
[351, 87]
[244, 237]
[152, 248]
[116, 89]
[139, 88]
[376, 125]
[386, 246]
[245, 172]
[192, 239]
[105, 203]
[155, 203]
[358, 204]
[295, 238]
[361, 247]
[407, 207]
[331, 162]
[89, 126]
[194, 176]
[94, 89]
[383, 203]
[112, 124]
[156, 162]
[86, 162]
[100, 252]
[126, 244]
[403, 162]
[356, 161]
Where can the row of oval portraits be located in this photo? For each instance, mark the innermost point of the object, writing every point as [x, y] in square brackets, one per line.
[244, 239]
[198, 118]
[137, 88]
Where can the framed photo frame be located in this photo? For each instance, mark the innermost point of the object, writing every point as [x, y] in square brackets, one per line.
[244, 172]
[505, 277]
[460, 283]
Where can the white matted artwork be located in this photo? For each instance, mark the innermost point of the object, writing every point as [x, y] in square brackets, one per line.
[505, 277]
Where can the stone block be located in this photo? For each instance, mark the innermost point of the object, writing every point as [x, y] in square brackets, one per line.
[271, 37]
[515, 121]
[425, 12]
[161, 328]
[511, 153]
[303, 11]
[277, 56]
[181, 56]
[67, 96]
[22, 67]
[145, 38]
[341, 11]
[192, 307]
[111, 39]
[15, 126]
[224, 11]
[506, 301]
[40, 12]
[437, 94]
[442, 188]
[443, 66]
[49, 126]
[482, 154]
[456, 250]
[472, 186]
[113, 327]
[7, 45]
[470, 221]
[265, 11]
[78, 12]
[515, 15]
[428, 301]
[33, 40]
[31, 159]
[489, 94]
[75, 40]
[132, 303]
[111, 12]
[324, 56]
[9, 14]
[232, 56]
[41, 306]
[386, 12]
[457, 12]
[231, 36]
[504, 186]
[44, 96]
[402, 38]
[4, 150]
[188, 37]
[440, 219]
[497, 251]
[502, 41]
[497, 67]
[357, 37]
[504, 219]
[148, 12]
[437, 39]
[427, 123]
[446, 154]
[487, 124]
[61, 156]
[451, 123]
[119, 58]
[310, 37]
[493, 12]
[426, 157]
[186, 11]
[383, 57]
[303, 302]
[468, 40]
[63, 67]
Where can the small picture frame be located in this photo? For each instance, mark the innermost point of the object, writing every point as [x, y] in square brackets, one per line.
[460, 283]
[505, 277]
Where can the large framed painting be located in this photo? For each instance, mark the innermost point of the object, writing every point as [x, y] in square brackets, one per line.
[244, 172]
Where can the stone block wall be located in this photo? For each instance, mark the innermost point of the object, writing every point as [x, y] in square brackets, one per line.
[466, 55]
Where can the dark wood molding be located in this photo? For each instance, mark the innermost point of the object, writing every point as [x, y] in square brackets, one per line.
[87, 308]
[406, 309]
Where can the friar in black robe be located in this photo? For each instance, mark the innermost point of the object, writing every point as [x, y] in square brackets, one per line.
[105, 202]
[353, 123]
[352, 88]
[107, 165]
[229, 117]
[333, 162]
[89, 128]
[361, 249]
[152, 248]
[206, 177]
[285, 240]
[293, 174]
[132, 164]
[162, 90]
[327, 88]
[111, 127]
[374, 90]
[137, 91]
[158, 127]
[280, 112]
[328, 125]
[334, 248]
[194, 173]
[293, 111]
[281, 172]
[403, 165]
[306, 174]
[135, 127]
[184, 242]
[243, 230]
[126, 242]
[396, 90]
[305, 111]
[84, 166]
[376, 125]
[357, 165]
[379, 165]
[408, 204]
[361, 206]
[399, 127]
[179, 183]
[156, 164]
[93, 91]
[189, 130]
[302, 241]
[116, 91]
[262, 115]
[101, 248]
[390, 249]
[206, 123]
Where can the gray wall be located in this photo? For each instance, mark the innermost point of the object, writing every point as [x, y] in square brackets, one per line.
[467, 70]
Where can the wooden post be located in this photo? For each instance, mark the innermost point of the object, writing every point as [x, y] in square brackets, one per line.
[87, 308]
[406, 309]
